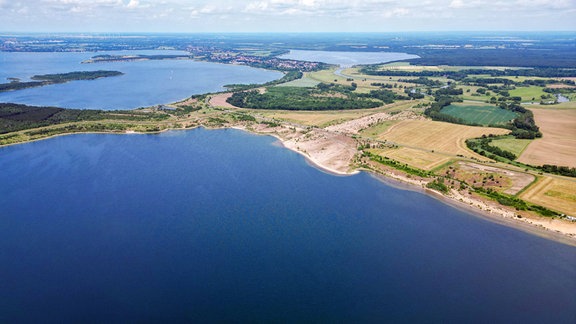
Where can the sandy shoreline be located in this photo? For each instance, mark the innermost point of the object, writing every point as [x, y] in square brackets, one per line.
[555, 229]
[336, 159]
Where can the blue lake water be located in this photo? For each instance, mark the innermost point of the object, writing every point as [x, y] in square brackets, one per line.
[346, 59]
[213, 226]
[145, 83]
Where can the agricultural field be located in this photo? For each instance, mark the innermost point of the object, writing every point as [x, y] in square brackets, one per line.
[528, 94]
[418, 158]
[555, 193]
[558, 143]
[406, 66]
[511, 144]
[378, 129]
[482, 114]
[304, 82]
[443, 138]
[312, 118]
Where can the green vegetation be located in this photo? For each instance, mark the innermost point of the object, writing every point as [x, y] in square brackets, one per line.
[511, 144]
[48, 79]
[327, 97]
[15, 117]
[438, 184]
[519, 204]
[561, 170]
[76, 76]
[304, 82]
[482, 146]
[395, 164]
[288, 77]
[527, 94]
[481, 115]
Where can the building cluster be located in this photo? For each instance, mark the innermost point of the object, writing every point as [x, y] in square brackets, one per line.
[233, 57]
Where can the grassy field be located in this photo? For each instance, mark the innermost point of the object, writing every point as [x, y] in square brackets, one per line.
[558, 143]
[511, 144]
[305, 82]
[527, 93]
[378, 128]
[405, 66]
[482, 114]
[444, 138]
[555, 193]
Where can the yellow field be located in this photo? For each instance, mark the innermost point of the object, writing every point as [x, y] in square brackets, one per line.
[554, 193]
[313, 118]
[441, 137]
[327, 118]
[422, 159]
[558, 143]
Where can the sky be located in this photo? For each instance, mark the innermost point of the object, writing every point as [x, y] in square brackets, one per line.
[187, 16]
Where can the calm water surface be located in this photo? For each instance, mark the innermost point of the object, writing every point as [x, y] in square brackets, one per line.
[205, 226]
[346, 59]
[145, 83]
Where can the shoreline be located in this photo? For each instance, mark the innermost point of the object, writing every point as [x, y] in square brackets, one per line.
[473, 206]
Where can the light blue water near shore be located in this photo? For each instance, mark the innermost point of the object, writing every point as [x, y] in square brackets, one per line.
[145, 83]
[347, 59]
[213, 226]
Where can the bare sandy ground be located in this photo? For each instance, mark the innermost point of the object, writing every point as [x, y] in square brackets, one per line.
[357, 125]
[219, 100]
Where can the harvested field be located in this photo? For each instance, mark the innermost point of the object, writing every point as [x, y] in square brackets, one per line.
[422, 159]
[558, 143]
[444, 138]
[555, 193]
[312, 118]
[220, 100]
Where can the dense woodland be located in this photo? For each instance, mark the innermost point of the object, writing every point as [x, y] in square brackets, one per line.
[15, 117]
[48, 79]
[325, 96]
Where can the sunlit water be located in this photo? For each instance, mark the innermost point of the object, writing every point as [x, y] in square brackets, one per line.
[216, 226]
[144, 83]
[346, 59]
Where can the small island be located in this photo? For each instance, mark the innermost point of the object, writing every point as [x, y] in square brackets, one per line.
[48, 79]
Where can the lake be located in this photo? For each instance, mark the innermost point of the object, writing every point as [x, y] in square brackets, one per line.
[145, 83]
[222, 225]
[347, 59]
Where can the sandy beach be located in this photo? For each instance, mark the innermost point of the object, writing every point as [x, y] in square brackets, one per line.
[334, 151]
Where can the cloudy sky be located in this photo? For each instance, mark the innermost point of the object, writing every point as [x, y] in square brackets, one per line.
[285, 15]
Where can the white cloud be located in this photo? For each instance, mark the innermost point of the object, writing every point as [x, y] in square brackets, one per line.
[396, 12]
[288, 15]
[456, 4]
[133, 4]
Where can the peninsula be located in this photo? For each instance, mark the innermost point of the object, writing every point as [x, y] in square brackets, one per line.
[496, 138]
[49, 79]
